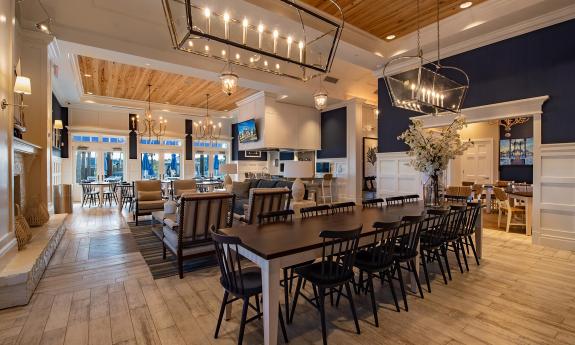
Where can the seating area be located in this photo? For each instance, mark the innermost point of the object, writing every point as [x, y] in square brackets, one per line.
[287, 172]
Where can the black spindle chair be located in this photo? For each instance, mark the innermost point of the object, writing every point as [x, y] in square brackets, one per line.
[373, 203]
[127, 195]
[406, 251]
[468, 229]
[314, 211]
[394, 201]
[411, 198]
[432, 237]
[377, 258]
[239, 282]
[110, 194]
[335, 269]
[460, 199]
[343, 207]
[453, 228]
[275, 216]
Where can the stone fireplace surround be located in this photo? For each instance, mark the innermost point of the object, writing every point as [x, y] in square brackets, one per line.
[20, 271]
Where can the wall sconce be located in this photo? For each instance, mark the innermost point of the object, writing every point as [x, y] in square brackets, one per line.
[58, 127]
[22, 86]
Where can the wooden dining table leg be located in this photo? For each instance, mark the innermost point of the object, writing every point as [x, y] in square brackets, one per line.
[270, 291]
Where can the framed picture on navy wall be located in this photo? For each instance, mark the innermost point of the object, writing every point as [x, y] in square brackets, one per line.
[517, 151]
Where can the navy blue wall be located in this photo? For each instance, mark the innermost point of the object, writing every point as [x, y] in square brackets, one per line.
[60, 113]
[287, 156]
[535, 64]
[333, 134]
[238, 155]
[517, 173]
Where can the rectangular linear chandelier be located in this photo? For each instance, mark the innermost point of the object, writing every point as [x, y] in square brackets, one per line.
[298, 42]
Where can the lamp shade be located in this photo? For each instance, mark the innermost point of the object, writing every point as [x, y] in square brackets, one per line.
[22, 85]
[298, 169]
[229, 168]
[58, 124]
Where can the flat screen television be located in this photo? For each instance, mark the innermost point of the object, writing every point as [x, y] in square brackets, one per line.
[247, 131]
[322, 167]
[516, 151]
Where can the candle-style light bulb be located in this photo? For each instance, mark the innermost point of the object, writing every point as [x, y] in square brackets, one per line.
[276, 34]
[289, 42]
[237, 56]
[245, 24]
[260, 33]
[207, 14]
[301, 45]
[412, 91]
[226, 26]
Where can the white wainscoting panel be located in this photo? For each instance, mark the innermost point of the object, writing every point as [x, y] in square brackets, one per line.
[395, 176]
[557, 196]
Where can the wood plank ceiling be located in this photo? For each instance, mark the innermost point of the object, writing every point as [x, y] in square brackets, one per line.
[112, 79]
[382, 18]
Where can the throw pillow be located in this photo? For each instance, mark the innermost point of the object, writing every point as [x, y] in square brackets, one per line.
[241, 189]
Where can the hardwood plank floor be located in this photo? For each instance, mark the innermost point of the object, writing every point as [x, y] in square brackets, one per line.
[98, 290]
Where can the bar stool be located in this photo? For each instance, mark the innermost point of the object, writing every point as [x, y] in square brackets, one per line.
[326, 188]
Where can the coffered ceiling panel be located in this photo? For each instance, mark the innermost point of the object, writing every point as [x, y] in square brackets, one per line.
[112, 79]
[382, 18]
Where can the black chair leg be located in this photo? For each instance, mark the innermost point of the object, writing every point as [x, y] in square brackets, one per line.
[473, 249]
[456, 251]
[401, 285]
[372, 294]
[221, 315]
[181, 266]
[321, 305]
[352, 305]
[438, 258]
[243, 321]
[444, 252]
[390, 280]
[294, 302]
[283, 326]
[414, 270]
[163, 250]
[463, 254]
[286, 291]
[258, 310]
[291, 278]
[423, 261]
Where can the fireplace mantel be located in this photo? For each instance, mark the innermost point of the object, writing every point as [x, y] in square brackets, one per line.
[24, 147]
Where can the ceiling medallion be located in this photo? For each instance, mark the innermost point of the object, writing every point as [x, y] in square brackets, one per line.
[264, 46]
[427, 88]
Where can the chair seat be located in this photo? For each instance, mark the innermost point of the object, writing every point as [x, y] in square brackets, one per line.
[151, 205]
[313, 273]
[190, 247]
[252, 282]
[399, 256]
[364, 261]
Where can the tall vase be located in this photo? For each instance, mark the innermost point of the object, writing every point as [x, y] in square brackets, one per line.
[431, 191]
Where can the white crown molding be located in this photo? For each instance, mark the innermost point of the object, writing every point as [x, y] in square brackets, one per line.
[94, 102]
[496, 111]
[255, 96]
[526, 26]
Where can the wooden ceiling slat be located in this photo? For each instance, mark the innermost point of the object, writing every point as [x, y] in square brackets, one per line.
[390, 17]
[112, 79]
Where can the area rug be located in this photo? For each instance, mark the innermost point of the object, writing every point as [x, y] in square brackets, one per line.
[151, 248]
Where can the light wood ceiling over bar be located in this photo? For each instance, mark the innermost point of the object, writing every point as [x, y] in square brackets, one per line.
[112, 79]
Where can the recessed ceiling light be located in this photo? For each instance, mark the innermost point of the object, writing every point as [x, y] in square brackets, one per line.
[87, 75]
[89, 93]
[466, 4]
[147, 64]
[89, 101]
[283, 97]
[399, 52]
[390, 37]
[378, 54]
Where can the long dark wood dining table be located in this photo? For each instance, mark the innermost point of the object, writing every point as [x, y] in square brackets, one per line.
[273, 246]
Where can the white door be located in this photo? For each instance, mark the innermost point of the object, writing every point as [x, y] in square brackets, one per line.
[477, 162]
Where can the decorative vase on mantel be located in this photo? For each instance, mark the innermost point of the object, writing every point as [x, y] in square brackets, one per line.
[431, 188]
[36, 212]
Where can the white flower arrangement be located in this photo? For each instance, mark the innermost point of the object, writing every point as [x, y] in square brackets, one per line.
[432, 150]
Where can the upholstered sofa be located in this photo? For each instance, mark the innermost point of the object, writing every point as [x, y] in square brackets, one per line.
[242, 191]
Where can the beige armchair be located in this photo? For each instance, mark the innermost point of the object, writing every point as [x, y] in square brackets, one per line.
[180, 187]
[188, 234]
[148, 196]
[264, 200]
